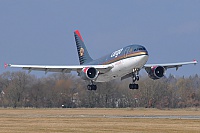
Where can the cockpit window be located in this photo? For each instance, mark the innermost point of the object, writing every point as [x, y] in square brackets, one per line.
[130, 50]
[140, 48]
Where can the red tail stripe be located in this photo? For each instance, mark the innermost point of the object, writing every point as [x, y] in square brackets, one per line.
[78, 33]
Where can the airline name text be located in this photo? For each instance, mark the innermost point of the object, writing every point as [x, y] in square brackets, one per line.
[116, 53]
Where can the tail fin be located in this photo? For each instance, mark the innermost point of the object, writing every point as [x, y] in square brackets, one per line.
[83, 54]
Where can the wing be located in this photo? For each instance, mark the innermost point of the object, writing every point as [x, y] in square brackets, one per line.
[170, 65]
[148, 67]
[63, 69]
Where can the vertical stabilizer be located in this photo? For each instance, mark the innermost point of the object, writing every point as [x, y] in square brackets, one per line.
[83, 54]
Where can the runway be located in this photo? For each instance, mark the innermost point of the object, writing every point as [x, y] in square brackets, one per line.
[190, 117]
[159, 117]
[134, 116]
[111, 113]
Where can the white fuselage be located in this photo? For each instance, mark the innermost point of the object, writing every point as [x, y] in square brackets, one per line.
[123, 67]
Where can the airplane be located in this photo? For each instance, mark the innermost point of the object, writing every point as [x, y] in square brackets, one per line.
[122, 63]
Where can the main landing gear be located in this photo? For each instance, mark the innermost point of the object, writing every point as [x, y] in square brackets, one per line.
[133, 86]
[92, 86]
[135, 77]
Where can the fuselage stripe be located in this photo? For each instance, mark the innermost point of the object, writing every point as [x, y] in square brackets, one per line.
[124, 57]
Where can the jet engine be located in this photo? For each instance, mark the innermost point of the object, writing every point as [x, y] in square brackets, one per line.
[89, 73]
[156, 72]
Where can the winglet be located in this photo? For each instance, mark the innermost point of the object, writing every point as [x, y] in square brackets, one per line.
[195, 61]
[6, 65]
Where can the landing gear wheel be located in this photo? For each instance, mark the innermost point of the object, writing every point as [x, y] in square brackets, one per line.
[137, 78]
[133, 86]
[92, 87]
[89, 87]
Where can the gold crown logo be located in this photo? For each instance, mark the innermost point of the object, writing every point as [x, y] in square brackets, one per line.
[81, 52]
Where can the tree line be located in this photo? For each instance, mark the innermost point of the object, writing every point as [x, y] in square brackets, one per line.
[20, 89]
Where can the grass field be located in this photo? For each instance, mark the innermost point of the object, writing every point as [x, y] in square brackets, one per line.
[96, 120]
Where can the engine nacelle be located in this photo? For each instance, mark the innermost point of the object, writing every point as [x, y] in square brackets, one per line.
[89, 73]
[156, 72]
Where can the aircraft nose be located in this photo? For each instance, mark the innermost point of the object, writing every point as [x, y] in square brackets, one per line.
[145, 50]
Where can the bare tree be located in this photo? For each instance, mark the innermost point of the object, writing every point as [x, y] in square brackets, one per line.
[19, 89]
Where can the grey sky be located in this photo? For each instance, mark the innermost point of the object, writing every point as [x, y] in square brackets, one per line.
[41, 31]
